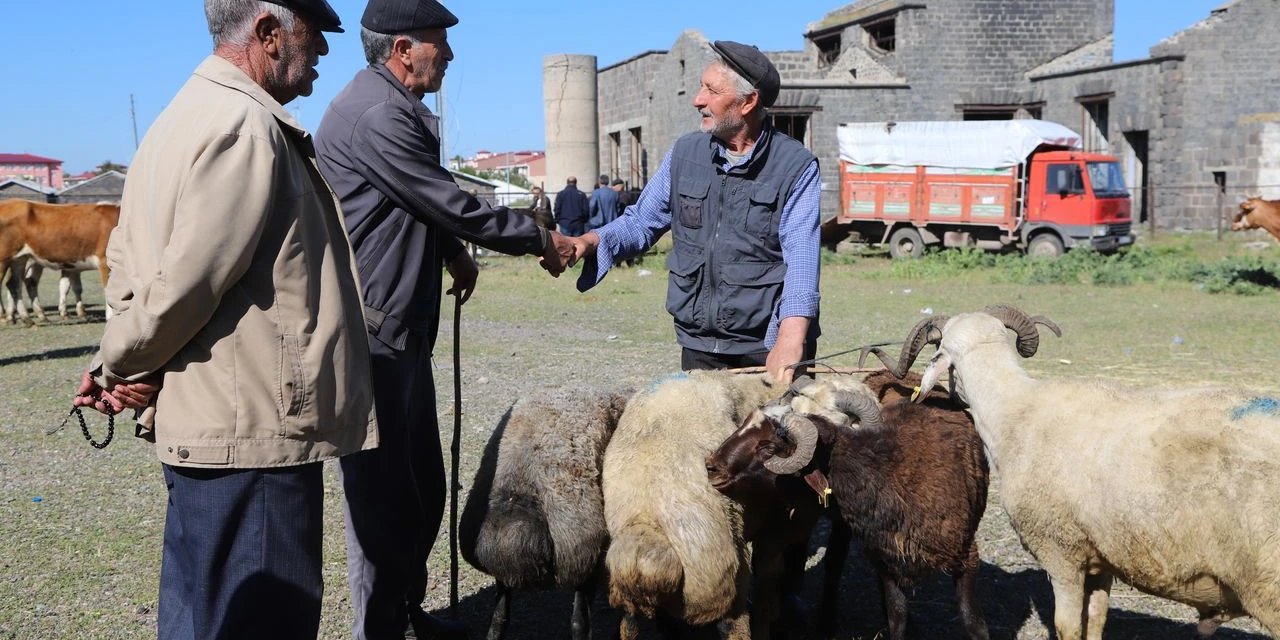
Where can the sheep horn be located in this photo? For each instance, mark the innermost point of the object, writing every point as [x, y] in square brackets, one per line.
[801, 432]
[927, 331]
[1024, 326]
[860, 406]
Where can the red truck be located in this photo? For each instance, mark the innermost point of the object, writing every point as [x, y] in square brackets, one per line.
[1015, 184]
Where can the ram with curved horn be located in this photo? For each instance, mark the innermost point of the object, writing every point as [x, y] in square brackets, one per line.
[909, 480]
[1075, 456]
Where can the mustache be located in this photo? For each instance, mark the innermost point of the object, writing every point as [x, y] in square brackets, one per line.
[706, 113]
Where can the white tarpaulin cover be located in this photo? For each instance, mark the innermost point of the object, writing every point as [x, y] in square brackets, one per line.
[977, 145]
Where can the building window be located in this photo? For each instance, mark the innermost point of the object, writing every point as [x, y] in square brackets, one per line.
[638, 176]
[1095, 114]
[793, 123]
[828, 48]
[882, 33]
[615, 153]
[989, 113]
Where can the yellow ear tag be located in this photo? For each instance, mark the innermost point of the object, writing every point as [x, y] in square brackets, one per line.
[915, 393]
[826, 495]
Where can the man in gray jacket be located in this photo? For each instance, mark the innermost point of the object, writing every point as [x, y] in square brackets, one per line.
[379, 147]
[233, 284]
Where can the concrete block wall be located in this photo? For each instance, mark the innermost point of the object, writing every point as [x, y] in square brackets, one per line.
[1209, 98]
[1214, 101]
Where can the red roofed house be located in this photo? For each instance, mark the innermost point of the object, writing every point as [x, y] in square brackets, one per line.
[24, 166]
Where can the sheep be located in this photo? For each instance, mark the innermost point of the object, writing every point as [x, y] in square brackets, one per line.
[677, 549]
[1173, 491]
[535, 515]
[910, 480]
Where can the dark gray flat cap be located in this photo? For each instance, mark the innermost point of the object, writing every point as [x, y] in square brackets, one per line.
[317, 12]
[399, 16]
[753, 65]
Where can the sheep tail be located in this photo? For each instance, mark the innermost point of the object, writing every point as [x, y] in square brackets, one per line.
[515, 544]
[644, 569]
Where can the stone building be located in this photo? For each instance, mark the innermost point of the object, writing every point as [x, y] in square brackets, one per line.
[107, 187]
[1197, 118]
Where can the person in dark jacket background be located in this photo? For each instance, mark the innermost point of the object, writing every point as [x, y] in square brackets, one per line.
[378, 146]
[604, 205]
[571, 208]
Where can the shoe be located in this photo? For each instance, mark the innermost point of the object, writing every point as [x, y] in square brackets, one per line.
[424, 626]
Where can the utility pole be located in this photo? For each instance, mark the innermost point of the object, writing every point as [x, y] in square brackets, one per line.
[133, 115]
[444, 156]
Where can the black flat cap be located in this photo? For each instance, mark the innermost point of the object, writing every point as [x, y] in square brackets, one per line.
[399, 16]
[752, 65]
[317, 12]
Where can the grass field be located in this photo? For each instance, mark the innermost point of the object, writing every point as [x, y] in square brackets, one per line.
[80, 529]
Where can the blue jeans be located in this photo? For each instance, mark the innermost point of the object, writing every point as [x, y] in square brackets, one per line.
[242, 554]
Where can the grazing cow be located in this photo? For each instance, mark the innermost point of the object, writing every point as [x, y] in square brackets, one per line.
[68, 237]
[1256, 213]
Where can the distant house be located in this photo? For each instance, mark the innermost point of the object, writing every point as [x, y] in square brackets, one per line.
[529, 164]
[475, 185]
[107, 187]
[15, 189]
[38, 169]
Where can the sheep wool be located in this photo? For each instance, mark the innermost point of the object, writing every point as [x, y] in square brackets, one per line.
[1176, 492]
[535, 516]
[677, 544]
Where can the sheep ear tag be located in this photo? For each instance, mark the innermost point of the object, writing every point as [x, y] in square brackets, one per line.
[817, 480]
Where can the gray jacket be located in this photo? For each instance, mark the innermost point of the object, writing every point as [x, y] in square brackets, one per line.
[379, 148]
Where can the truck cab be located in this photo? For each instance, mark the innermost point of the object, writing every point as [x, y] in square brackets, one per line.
[1074, 198]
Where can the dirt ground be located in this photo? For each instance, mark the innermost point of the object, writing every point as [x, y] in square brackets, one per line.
[81, 528]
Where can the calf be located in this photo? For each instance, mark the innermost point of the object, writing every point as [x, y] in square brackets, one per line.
[71, 238]
[1256, 213]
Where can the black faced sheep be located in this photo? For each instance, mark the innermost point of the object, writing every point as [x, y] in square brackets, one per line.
[535, 515]
[909, 480]
[1176, 492]
[677, 549]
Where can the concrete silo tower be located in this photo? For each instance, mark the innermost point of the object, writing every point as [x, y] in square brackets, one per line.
[569, 101]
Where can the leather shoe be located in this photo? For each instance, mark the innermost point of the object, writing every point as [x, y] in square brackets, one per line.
[424, 626]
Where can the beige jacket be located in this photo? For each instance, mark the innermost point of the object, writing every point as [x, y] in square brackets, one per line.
[232, 276]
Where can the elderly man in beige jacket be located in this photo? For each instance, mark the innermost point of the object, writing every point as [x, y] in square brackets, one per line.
[235, 293]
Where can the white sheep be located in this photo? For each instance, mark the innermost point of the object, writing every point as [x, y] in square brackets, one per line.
[1176, 492]
[677, 549]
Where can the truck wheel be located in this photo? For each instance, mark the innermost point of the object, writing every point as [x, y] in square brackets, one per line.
[906, 243]
[1046, 245]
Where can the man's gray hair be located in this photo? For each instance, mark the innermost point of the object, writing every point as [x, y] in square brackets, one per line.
[741, 86]
[377, 46]
[230, 20]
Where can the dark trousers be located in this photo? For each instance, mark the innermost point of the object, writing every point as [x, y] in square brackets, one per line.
[573, 228]
[691, 360]
[242, 554]
[394, 494]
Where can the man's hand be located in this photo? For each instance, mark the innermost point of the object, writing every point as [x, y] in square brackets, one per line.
[788, 350]
[559, 255]
[128, 395]
[585, 245]
[464, 271]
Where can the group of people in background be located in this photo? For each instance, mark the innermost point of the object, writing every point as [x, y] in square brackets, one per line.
[576, 213]
[276, 299]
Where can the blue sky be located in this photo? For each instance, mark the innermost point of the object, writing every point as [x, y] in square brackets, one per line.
[72, 65]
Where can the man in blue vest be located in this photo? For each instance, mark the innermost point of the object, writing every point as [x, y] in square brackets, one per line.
[742, 203]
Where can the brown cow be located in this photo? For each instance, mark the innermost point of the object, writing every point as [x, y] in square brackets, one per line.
[1256, 213]
[69, 237]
